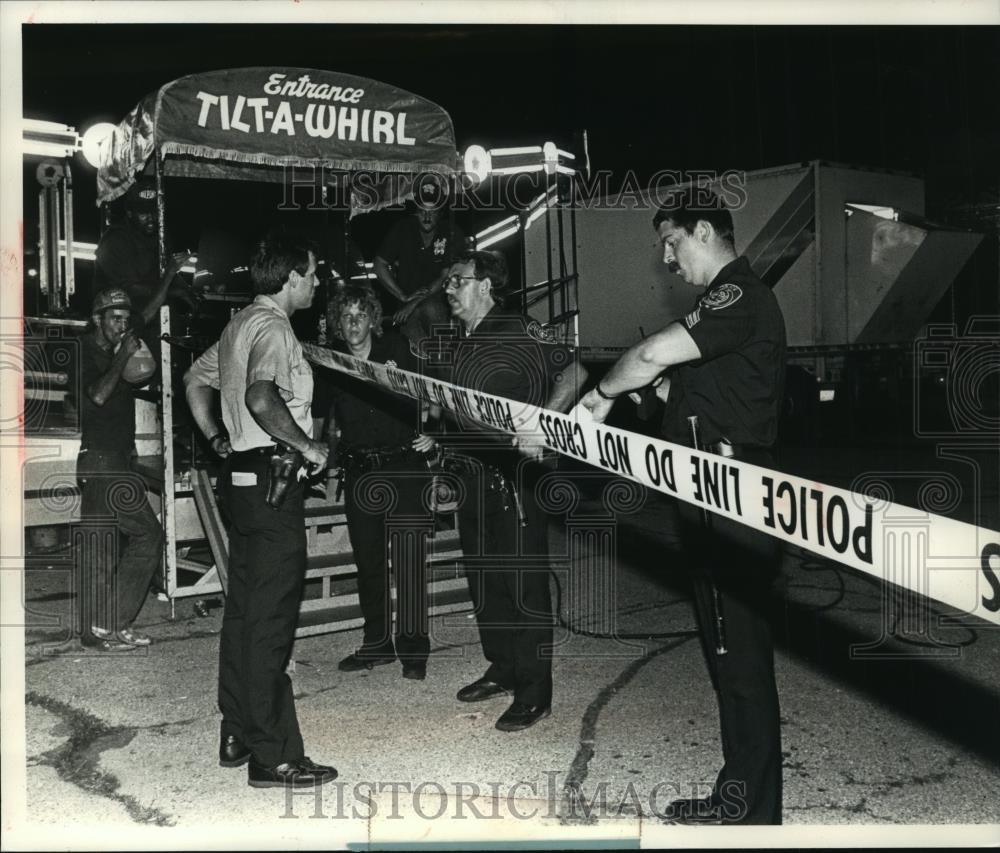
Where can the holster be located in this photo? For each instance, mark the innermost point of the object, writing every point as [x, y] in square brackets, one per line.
[282, 471]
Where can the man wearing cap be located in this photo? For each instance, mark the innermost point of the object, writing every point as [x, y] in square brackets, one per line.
[502, 528]
[266, 387]
[127, 254]
[410, 265]
[113, 498]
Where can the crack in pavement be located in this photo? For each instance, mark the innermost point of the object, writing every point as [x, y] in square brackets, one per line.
[76, 760]
[884, 786]
[859, 808]
[580, 766]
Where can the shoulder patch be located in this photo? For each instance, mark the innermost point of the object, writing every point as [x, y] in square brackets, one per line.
[538, 332]
[692, 319]
[721, 297]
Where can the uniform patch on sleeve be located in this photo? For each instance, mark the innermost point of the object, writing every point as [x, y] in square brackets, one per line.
[692, 319]
[721, 297]
[540, 333]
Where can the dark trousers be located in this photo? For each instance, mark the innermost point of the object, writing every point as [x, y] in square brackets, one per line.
[507, 568]
[432, 312]
[267, 564]
[114, 577]
[743, 564]
[387, 521]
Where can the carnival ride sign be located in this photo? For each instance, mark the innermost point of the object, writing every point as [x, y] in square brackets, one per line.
[251, 123]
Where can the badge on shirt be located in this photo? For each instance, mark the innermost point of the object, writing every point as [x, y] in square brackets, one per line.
[440, 246]
[721, 297]
[540, 333]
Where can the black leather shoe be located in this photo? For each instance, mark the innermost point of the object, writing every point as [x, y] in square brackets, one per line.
[479, 690]
[233, 752]
[416, 671]
[520, 716]
[303, 773]
[359, 660]
[704, 811]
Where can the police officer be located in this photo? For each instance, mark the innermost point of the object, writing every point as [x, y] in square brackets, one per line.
[727, 362]
[502, 530]
[266, 386]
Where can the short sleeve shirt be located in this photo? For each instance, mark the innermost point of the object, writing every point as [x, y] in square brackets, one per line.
[368, 415]
[257, 345]
[111, 426]
[414, 264]
[506, 355]
[736, 387]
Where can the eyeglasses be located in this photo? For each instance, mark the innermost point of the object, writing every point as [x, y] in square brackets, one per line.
[455, 280]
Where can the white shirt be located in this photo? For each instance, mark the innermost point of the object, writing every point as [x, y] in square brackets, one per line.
[257, 344]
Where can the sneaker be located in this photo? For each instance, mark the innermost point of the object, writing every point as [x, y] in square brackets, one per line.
[131, 637]
[102, 633]
[111, 644]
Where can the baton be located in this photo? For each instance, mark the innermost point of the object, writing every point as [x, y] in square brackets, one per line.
[706, 520]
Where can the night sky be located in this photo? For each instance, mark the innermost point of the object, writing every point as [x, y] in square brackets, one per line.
[922, 100]
[918, 99]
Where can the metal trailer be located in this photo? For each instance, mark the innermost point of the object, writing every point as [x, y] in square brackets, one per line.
[853, 262]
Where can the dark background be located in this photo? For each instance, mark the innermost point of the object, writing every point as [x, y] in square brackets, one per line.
[917, 99]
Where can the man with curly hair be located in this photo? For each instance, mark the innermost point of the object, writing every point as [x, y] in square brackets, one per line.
[382, 454]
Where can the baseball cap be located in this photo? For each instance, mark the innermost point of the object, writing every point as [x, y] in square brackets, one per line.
[113, 297]
[429, 192]
[141, 196]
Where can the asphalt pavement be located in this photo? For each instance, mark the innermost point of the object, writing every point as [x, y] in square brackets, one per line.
[889, 731]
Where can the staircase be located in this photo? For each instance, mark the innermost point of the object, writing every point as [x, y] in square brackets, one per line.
[330, 600]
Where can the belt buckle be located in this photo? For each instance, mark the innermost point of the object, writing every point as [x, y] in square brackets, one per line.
[725, 449]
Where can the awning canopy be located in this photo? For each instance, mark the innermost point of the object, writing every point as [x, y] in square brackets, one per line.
[253, 123]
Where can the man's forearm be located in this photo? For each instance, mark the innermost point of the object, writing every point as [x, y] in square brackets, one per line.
[567, 388]
[159, 295]
[648, 359]
[437, 285]
[383, 274]
[200, 399]
[269, 410]
[104, 387]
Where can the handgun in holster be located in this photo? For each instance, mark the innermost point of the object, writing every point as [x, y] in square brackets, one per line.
[718, 617]
[282, 471]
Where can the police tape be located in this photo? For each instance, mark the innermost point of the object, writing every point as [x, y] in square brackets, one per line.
[949, 561]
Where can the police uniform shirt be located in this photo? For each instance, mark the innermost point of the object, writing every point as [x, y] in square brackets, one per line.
[414, 264]
[507, 355]
[257, 345]
[736, 387]
[111, 426]
[368, 415]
